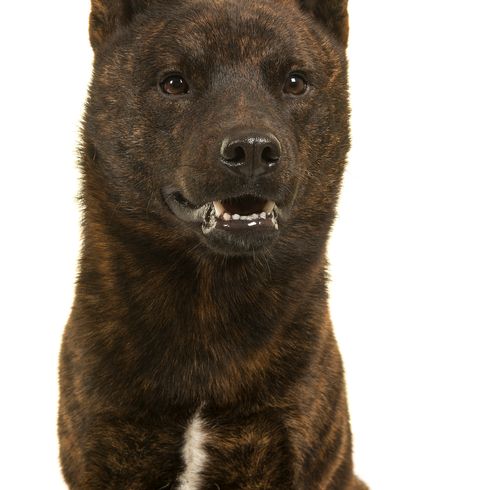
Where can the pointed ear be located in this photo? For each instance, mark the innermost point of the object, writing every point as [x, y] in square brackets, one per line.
[107, 15]
[332, 14]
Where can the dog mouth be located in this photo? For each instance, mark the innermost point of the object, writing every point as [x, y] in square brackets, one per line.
[232, 214]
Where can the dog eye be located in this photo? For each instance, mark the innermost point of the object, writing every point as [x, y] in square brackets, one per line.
[174, 85]
[295, 84]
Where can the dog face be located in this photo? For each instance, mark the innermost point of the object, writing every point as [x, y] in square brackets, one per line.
[220, 122]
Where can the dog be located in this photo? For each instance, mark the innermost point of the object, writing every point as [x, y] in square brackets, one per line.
[199, 353]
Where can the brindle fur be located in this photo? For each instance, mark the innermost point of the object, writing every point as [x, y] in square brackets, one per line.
[163, 325]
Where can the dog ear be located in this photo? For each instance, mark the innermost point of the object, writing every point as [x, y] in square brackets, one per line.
[107, 15]
[332, 14]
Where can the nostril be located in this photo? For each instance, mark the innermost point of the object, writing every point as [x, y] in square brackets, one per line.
[232, 152]
[236, 154]
[270, 154]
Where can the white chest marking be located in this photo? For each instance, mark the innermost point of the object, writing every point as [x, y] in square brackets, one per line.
[194, 454]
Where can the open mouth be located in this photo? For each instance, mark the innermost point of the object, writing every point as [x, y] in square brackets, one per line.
[244, 212]
[232, 214]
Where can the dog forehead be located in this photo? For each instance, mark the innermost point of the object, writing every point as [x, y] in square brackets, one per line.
[219, 26]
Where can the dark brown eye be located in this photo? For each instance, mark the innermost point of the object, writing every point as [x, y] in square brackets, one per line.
[295, 84]
[174, 85]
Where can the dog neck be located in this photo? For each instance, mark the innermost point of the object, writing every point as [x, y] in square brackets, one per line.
[221, 322]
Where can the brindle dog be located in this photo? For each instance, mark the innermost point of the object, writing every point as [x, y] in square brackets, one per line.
[199, 353]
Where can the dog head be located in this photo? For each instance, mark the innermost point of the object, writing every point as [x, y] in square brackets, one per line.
[220, 122]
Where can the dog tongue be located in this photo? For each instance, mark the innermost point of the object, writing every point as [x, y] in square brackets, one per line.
[244, 205]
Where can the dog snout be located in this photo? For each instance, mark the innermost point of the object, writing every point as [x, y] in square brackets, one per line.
[250, 153]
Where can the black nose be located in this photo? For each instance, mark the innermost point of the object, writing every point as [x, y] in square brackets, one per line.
[250, 153]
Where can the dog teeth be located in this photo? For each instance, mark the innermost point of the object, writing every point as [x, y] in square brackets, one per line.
[250, 217]
[219, 208]
[267, 213]
[269, 206]
[246, 218]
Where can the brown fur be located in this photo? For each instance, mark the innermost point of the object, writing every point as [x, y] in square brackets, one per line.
[167, 322]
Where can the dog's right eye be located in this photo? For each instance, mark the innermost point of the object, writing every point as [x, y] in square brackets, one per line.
[174, 85]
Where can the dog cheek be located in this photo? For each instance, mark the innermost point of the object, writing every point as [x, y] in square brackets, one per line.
[119, 143]
[196, 166]
[322, 147]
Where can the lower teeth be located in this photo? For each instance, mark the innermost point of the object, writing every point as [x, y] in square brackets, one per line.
[211, 219]
[250, 217]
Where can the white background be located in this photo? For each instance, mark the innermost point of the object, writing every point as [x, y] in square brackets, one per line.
[409, 256]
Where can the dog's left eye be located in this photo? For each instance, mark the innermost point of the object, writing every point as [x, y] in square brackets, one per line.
[295, 84]
[174, 85]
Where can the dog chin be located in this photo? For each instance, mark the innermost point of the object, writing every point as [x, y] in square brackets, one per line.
[245, 242]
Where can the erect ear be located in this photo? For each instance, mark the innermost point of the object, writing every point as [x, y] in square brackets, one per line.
[332, 14]
[107, 15]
